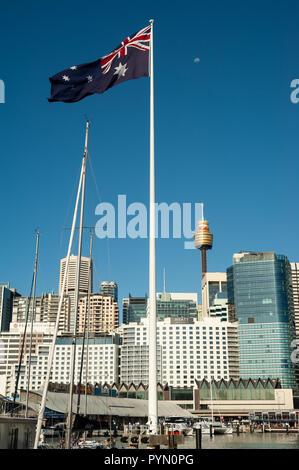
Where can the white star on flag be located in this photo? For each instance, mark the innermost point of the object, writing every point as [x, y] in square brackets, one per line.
[89, 78]
[120, 70]
[74, 67]
[66, 78]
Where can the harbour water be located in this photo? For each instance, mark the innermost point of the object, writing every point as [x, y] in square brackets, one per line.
[246, 441]
[229, 441]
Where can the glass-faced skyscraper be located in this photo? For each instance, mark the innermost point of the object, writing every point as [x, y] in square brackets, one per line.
[173, 305]
[260, 296]
[109, 288]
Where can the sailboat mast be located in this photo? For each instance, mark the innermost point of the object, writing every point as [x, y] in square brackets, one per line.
[73, 355]
[84, 356]
[88, 321]
[211, 398]
[32, 320]
[62, 296]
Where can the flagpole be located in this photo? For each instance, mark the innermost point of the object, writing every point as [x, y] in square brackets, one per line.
[152, 355]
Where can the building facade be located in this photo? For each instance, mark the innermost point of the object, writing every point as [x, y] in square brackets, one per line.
[242, 397]
[219, 307]
[259, 290]
[295, 286]
[186, 350]
[168, 305]
[45, 310]
[86, 269]
[109, 288]
[212, 284]
[6, 302]
[103, 313]
[10, 351]
[103, 358]
[134, 309]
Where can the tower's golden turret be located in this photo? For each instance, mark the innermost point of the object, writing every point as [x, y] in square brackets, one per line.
[203, 240]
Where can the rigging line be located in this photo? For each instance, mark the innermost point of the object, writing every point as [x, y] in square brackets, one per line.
[89, 158]
[96, 279]
[23, 343]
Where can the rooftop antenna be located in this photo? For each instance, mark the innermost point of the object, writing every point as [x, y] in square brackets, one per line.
[164, 281]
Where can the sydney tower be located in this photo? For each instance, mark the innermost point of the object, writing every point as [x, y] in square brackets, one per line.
[203, 240]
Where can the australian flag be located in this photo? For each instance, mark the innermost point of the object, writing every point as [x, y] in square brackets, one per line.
[129, 60]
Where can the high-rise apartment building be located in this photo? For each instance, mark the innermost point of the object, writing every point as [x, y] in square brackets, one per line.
[103, 313]
[46, 309]
[109, 288]
[70, 285]
[260, 292]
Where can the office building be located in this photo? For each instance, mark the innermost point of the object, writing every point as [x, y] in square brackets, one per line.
[168, 305]
[109, 288]
[295, 287]
[6, 302]
[176, 305]
[70, 286]
[212, 284]
[219, 307]
[260, 292]
[134, 309]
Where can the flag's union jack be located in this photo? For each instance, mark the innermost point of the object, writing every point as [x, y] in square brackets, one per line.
[139, 40]
[130, 60]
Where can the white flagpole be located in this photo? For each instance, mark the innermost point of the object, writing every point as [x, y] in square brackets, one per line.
[152, 355]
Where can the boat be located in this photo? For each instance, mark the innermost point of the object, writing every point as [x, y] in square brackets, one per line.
[217, 427]
[221, 428]
[85, 444]
[42, 444]
[51, 431]
[178, 425]
[205, 427]
[184, 429]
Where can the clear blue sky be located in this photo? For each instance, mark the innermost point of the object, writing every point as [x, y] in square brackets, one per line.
[226, 133]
